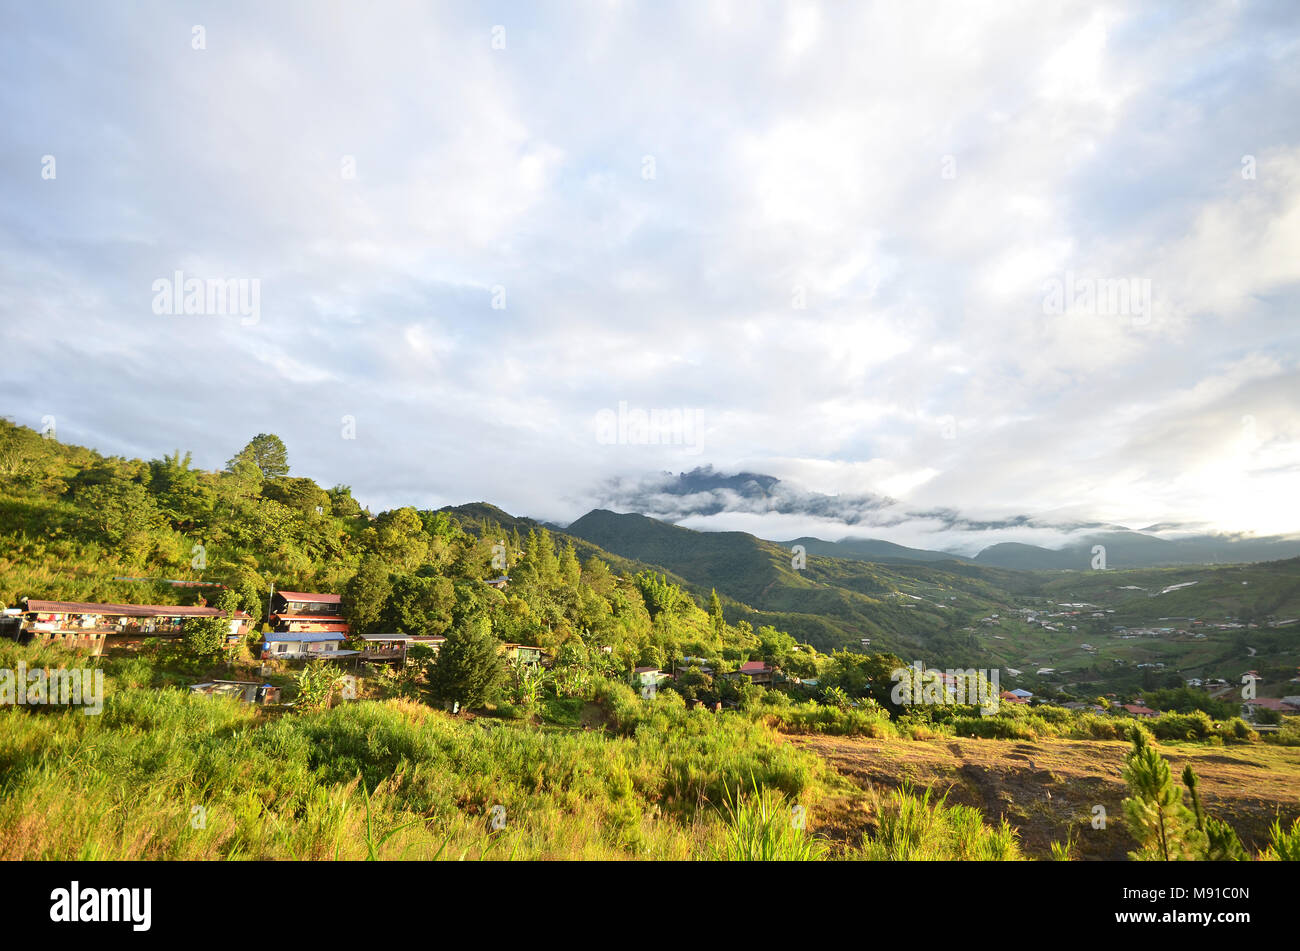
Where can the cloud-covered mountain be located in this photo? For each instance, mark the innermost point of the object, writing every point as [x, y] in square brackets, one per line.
[876, 528]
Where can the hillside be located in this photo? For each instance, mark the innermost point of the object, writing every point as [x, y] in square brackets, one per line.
[1139, 550]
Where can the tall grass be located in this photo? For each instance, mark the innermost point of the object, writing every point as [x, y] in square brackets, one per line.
[166, 774]
[765, 826]
[1284, 844]
[913, 826]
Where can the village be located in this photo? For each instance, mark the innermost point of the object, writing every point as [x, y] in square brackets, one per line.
[302, 627]
[309, 626]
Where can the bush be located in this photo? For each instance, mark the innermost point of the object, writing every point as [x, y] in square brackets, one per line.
[1235, 730]
[912, 827]
[765, 827]
[1183, 726]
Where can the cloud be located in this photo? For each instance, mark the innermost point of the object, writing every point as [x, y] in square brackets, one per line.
[822, 229]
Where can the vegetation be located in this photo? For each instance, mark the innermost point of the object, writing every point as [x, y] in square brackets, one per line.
[577, 762]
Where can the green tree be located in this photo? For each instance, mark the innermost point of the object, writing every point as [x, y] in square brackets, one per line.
[467, 666]
[123, 513]
[366, 595]
[1222, 844]
[1155, 813]
[570, 571]
[302, 495]
[419, 605]
[398, 538]
[715, 614]
[205, 637]
[267, 452]
[342, 503]
[181, 495]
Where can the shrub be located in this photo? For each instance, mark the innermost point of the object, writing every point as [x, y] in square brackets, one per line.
[1183, 726]
[765, 827]
[912, 827]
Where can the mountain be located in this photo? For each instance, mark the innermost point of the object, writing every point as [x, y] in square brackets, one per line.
[1138, 550]
[869, 549]
[831, 602]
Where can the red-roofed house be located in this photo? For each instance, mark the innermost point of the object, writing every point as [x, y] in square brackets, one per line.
[1250, 707]
[307, 613]
[757, 671]
[1138, 710]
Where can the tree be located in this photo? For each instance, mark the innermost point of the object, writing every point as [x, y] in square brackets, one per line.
[205, 637]
[715, 614]
[398, 538]
[661, 595]
[180, 494]
[1222, 844]
[1155, 813]
[342, 503]
[267, 452]
[468, 666]
[317, 683]
[419, 605]
[570, 571]
[301, 495]
[124, 514]
[366, 595]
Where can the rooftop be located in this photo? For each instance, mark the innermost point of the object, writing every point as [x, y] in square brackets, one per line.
[126, 610]
[309, 596]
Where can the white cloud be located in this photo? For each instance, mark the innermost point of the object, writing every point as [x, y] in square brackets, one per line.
[799, 151]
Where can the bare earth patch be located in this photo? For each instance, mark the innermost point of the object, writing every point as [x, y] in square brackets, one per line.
[1049, 788]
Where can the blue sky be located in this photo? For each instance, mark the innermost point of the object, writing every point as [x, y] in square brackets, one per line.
[824, 231]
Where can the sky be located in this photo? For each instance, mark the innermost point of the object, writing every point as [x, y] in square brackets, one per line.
[1002, 260]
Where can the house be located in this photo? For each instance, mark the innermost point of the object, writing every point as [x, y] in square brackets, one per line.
[1023, 694]
[101, 627]
[306, 612]
[384, 647]
[647, 681]
[1138, 710]
[302, 603]
[524, 654]
[249, 691]
[285, 645]
[1251, 708]
[432, 641]
[1010, 697]
[757, 671]
[499, 582]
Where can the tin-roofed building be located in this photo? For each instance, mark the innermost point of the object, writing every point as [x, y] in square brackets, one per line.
[100, 627]
[304, 645]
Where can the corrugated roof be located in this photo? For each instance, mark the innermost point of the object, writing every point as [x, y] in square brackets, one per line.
[128, 610]
[309, 596]
[309, 637]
